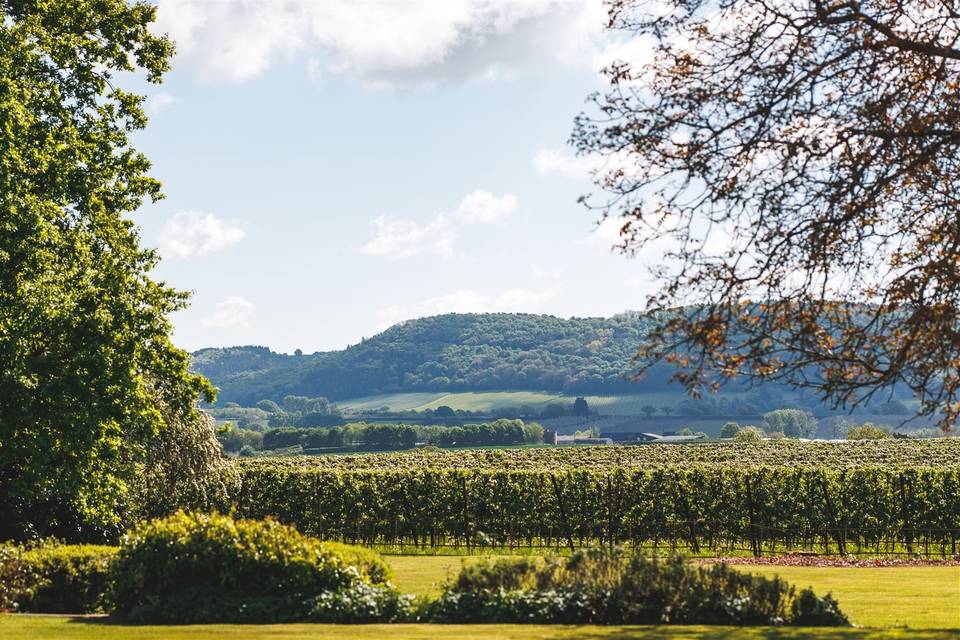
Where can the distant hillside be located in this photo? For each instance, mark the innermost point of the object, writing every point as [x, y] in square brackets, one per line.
[453, 352]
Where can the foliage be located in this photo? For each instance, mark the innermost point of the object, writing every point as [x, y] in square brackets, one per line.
[362, 602]
[793, 423]
[400, 436]
[211, 568]
[867, 431]
[748, 434]
[610, 586]
[817, 143]
[88, 374]
[729, 430]
[181, 467]
[269, 406]
[234, 439]
[845, 495]
[53, 578]
[368, 562]
[839, 455]
[580, 407]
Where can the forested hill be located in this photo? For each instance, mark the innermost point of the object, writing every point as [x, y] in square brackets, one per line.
[455, 352]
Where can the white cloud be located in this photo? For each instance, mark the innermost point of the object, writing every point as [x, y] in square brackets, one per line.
[159, 102]
[481, 207]
[230, 313]
[563, 163]
[190, 234]
[541, 273]
[399, 238]
[383, 43]
[470, 301]
[315, 71]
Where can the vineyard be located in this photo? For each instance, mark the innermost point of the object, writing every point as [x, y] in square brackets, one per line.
[875, 498]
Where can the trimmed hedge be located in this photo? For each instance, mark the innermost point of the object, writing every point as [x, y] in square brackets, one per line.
[53, 578]
[200, 568]
[603, 586]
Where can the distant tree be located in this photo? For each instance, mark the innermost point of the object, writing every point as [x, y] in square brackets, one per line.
[580, 407]
[298, 352]
[729, 430]
[749, 434]
[533, 433]
[269, 406]
[295, 404]
[666, 410]
[553, 410]
[839, 428]
[867, 431]
[793, 423]
[648, 410]
[443, 411]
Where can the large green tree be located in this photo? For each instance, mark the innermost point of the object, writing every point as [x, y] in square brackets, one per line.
[91, 386]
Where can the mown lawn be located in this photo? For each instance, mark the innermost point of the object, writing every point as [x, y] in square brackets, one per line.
[896, 603]
[27, 627]
[915, 597]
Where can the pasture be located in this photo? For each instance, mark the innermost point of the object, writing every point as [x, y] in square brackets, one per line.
[625, 404]
[887, 602]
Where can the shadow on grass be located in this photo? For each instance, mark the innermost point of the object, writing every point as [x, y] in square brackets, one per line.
[529, 632]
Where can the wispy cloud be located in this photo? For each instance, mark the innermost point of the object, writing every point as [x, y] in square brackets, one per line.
[159, 102]
[231, 313]
[191, 234]
[400, 238]
[562, 162]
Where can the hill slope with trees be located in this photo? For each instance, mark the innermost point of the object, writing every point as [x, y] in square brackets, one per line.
[454, 352]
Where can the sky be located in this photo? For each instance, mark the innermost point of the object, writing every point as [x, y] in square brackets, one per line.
[332, 168]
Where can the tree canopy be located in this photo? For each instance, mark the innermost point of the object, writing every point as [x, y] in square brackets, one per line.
[88, 375]
[799, 160]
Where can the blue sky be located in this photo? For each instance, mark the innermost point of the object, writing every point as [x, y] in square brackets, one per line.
[331, 168]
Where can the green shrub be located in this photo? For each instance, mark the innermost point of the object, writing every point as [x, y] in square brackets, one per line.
[614, 587]
[749, 434]
[808, 610]
[362, 602]
[371, 564]
[53, 578]
[729, 430]
[197, 568]
[867, 431]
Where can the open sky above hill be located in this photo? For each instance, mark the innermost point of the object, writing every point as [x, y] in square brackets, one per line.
[332, 168]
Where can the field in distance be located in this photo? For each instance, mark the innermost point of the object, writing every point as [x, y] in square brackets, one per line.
[623, 405]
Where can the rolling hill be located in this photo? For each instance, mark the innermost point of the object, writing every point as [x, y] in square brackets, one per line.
[453, 352]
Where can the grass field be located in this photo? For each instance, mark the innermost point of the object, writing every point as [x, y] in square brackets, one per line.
[25, 627]
[627, 404]
[915, 597]
[895, 603]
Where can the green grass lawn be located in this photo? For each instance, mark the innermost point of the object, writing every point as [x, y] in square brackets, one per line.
[896, 603]
[915, 597]
[27, 627]
[627, 404]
